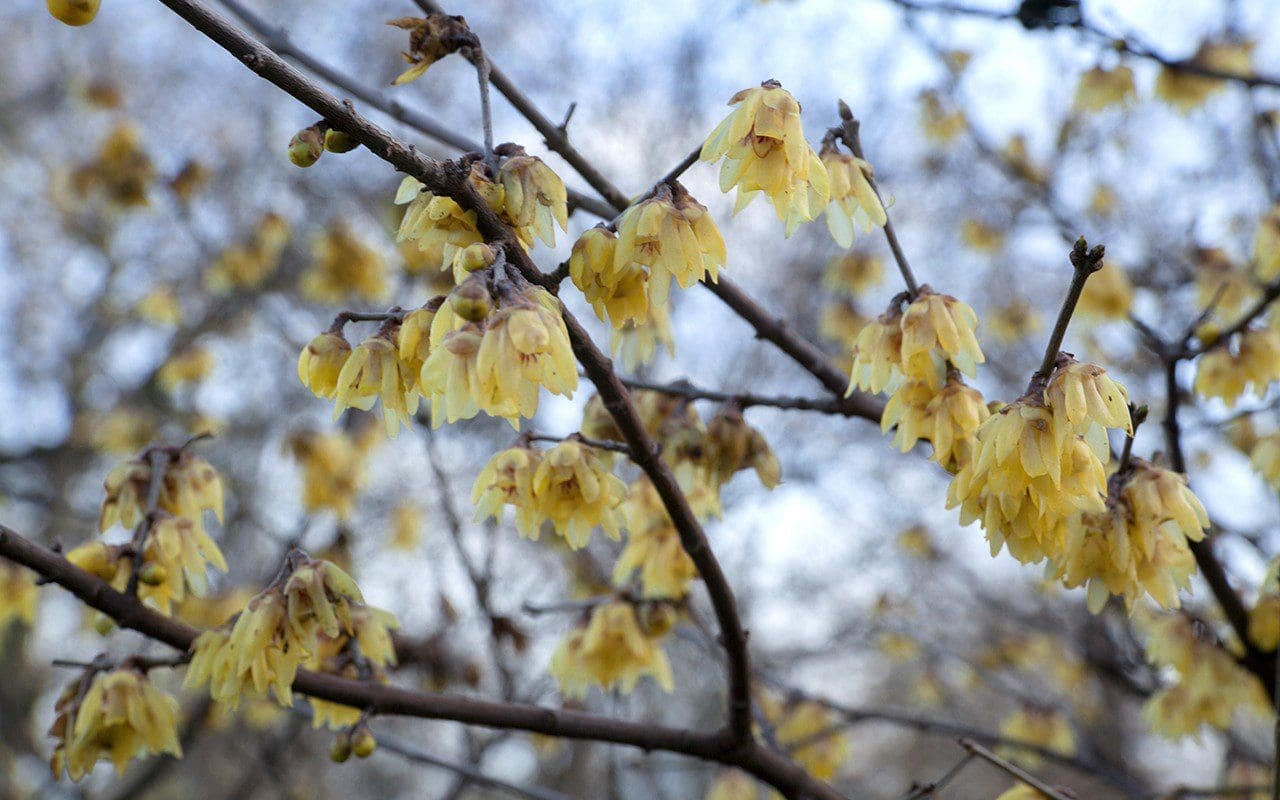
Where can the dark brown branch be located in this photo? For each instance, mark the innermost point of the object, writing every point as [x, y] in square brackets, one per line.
[1270, 294]
[853, 406]
[718, 746]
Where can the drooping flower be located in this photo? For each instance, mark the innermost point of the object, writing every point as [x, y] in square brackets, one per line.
[534, 198]
[1083, 397]
[17, 595]
[576, 492]
[508, 480]
[877, 354]
[854, 201]
[374, 372]
[247, 658]
[114, 715]
[189, 486]
[437, 224]
[525, 346]
[344, 266]
[671, 236]
[321, 362]
[653, 548]
[853, 273]
[333, 469]
[614, 651]
[956, 412]
[1108, 296]
[764, 151]
[936, 329]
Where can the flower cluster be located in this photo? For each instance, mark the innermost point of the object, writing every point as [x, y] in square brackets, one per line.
[1227, 371]
[854, 201]
[333, 468]
[1210, 685]
[1137, 546]
[569, 486]
[619, 644]
[114, 715]
[764, 151]
[343, 266]
[1039, 462]
[248, 266]
[310, 614]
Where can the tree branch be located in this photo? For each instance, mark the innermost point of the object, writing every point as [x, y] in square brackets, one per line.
[717, 746]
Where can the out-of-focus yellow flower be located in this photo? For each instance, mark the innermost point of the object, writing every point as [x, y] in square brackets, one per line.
[1265, 457]
[938, 329]
[731, 784]
[981, 237]
[116, 715]
[431, 38]
[1022, 792]
[413, 340]
[731, 445]
[321, 362]
[189, 487]
[670, 235]
[190, 366]
[940, 125]
[73, 12]
[1264, 622]
[1044, 727]
[121, 173]
[508, 480]
[406, 527]
[898, 647]
[248, 266]
[333, 471]
[1210, 685]
[840, 323]
[653, 548]
[1108, 296]
[1102, 88]
[575, 491]
[373, 371]
[917, 541]
[764, 150]
[1013, 322]
[805, 730]
[1222, 282]
[636, 343]
[1103, 203]
[176, 555]
[854, 273]
[853, 200]
[120, 430]
[613, 651]
[160, 306]
[17, 595]
[361, 654]
[907, 412]
[343, 266]
[1255, 365]
[1185, 90]
[1266, 246]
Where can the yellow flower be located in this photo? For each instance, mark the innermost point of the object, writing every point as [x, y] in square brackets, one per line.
[575, 491]
[534, 198]
[1013, 322]
[122, 171]
[653, 548]
[508, 480]
[413, 341]
[449, 377]
[635, 343]
[619, 295]
[17, 595]
[431, 38]
[853, 200]
[176, 555]
[525, 345]
[955, 414]
[1100, 88]
[1023, 482]
[1186, 91]
[854, 272]
[189, 487]
[1108, 296]
[1259, 358]
[877, 354]
[1265, 457]
[981, 237]
[118, 716]
[321, 361]
[672, 236]
[249, 265]
[805, 729]
[1222, 282]
[160, 306]
[1218, 375]
[190, 366]
[1264, 622]
[907, 410]
[73, 12]
[1023, 792]
[612, 652]
[1044, 727]
[407, 522]
[319, 595]
[1210, 685]
[1255, 365]
[362, 654]
[733, 785]
[937, 329]
[332, 471]
[344, 266]
[731, 445]
[1266, 246]
[1082, 397]
[258, 653]
[764, 150]
[939, 125]
[436, 224]
[373, 371]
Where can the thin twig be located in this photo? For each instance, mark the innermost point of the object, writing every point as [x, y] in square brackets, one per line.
[1014, 770]
[846, 407]
[1084, 262]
